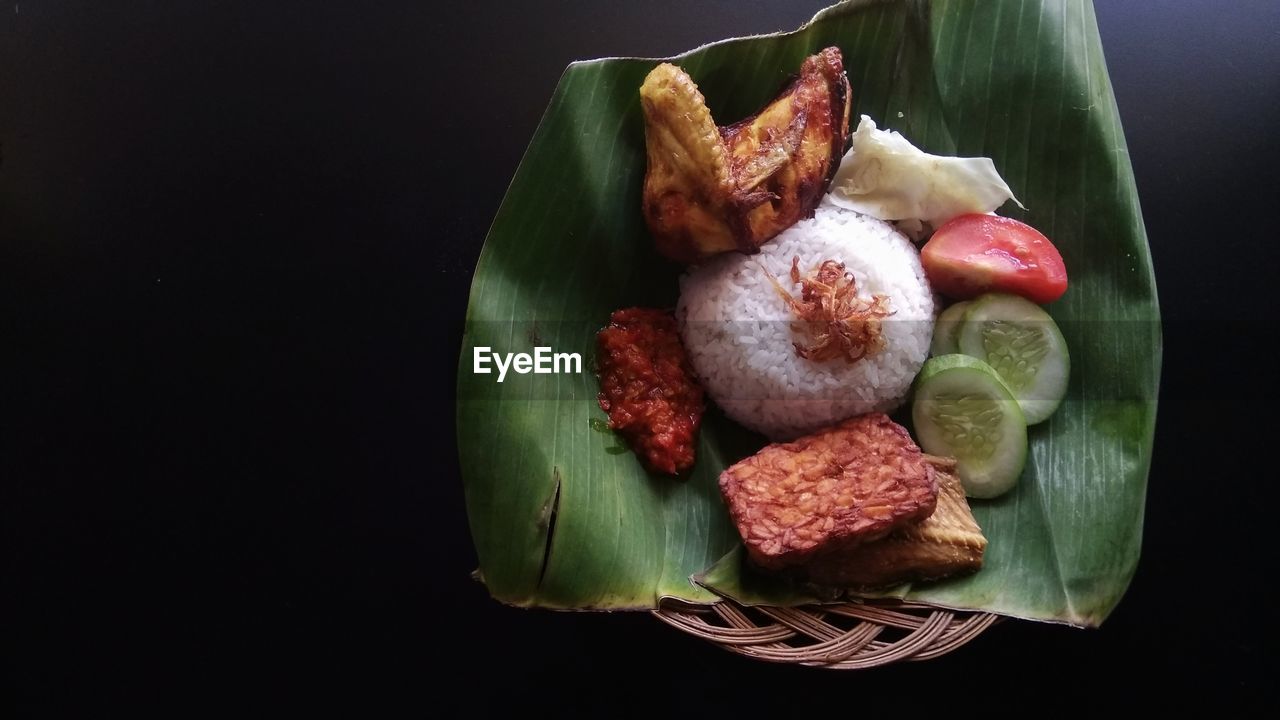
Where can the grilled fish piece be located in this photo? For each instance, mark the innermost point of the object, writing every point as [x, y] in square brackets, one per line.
[828, 492]
[948, 542]
[709, 189]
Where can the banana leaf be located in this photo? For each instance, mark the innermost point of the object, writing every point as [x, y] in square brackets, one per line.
[563, 516]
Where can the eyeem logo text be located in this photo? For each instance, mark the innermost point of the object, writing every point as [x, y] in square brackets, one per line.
[542, 362]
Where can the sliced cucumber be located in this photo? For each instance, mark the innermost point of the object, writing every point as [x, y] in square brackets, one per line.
[964, 410]
[1023, 344]
[946, 330]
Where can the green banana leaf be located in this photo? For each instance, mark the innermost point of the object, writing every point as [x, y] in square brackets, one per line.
[563, 516]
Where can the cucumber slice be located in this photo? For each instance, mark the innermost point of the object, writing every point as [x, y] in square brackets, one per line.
[946, 330]
[964, 410]
[1023, 344]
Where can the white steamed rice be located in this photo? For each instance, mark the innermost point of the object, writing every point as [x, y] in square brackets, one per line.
[739, 335]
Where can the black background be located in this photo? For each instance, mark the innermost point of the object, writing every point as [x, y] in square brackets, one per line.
[236, 241]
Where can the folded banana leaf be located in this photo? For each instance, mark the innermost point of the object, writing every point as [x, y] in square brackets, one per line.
[563, 516]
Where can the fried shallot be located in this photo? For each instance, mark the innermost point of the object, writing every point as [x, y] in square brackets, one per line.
[839, 323]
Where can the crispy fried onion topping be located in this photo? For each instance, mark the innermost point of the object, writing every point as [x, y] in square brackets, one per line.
[837, 321]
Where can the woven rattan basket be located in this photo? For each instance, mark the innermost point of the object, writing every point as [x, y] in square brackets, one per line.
[845, 636]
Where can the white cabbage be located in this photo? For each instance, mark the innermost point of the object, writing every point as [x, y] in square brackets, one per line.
[885, 176]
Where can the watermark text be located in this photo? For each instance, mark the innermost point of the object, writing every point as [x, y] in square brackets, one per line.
[543, 361]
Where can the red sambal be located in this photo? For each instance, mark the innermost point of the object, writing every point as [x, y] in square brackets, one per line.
[648, 387]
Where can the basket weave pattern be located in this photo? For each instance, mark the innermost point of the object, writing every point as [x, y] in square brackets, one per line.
[846, 636]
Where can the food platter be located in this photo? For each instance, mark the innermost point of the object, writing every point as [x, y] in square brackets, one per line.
[564, 516]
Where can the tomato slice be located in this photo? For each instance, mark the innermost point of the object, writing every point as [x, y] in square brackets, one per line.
[973, 254]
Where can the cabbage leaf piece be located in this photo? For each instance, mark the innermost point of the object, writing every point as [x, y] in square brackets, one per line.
[883, 175]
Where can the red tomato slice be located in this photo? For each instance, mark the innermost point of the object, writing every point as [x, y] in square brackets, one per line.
[973, 254]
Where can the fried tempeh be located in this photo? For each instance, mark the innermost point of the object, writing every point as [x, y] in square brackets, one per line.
[948, 542]
[828, 492]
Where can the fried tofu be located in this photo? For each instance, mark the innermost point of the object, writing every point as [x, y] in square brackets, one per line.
[829, 492]
[948, 542]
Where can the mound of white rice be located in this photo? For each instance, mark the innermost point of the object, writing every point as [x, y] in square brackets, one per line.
[740, 336]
